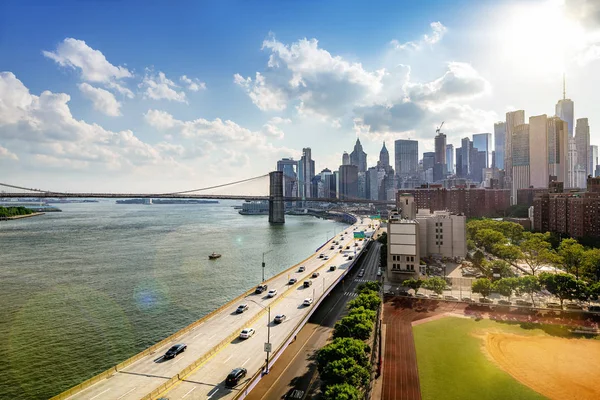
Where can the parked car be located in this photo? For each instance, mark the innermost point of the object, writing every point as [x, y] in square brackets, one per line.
[241, 308]
[307, 283]
[235, 377]
[435, 296]
[468, 300]
[573, 306]
[422, 295]
[260, 289]
[379, 273]
[552, 305]
[174, 351]
[272, 293]
[292, 281]
[302, 269]
[280, 318]
[315, 274]
[594, 308]
[483, 300]
[307, 302]
[504, 303]
[332, 267]
[451, 298]
[400, 293]
[247, 333]
[524, 303]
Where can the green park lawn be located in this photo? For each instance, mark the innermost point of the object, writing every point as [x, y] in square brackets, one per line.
[453, 366]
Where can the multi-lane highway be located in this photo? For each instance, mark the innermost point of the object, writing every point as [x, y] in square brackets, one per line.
[295, 371]
[207, 381]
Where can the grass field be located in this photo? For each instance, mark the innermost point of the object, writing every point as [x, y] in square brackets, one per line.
[453, 365]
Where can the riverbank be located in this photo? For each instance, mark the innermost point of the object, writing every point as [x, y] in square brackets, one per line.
[35, 214]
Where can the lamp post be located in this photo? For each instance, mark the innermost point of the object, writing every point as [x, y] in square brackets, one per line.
[263, 263]
[268, 344]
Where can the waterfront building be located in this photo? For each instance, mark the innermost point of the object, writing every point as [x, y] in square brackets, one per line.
[290, 178]
[306, 172]
[348, 177]
[499, 143]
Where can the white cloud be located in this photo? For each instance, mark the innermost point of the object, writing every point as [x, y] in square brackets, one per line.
[438, 30]
[193, 84]
[264, 96]
[7, 154]
[158, 87]
[103, 100]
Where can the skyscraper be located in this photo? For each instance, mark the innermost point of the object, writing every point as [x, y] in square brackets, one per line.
[440, 148]
[348, 182]
[465, 157]
[358, 157]
[406, 157]
[375, 177]
[428, 160]
[306, 172]
[572, 168]
[345, 159]
[483, 142]
[290, 177]
[558, 145]
[538, 151]
[499, 143]
[450, 159]
[582, 143]
[513, 119]
[384, 158]
[520, 159]
[593, 156]
[565, 109]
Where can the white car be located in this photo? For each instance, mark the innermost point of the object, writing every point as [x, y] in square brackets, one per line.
[247, 333]
[451, 298]
[421, 295]
[307, 302]
[272, 293]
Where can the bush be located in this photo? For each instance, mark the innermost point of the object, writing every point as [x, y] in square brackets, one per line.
[341, 348]
[341, 392]
[368, 286]
[357, 326]
[369, 300]
[345, 371]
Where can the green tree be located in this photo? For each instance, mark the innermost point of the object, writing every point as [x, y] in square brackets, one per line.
[414, 284]
[571, 255]
[502, 268]
[489, 238]
[482, 286]
[370, 301]
[358, 326]
[342, 348]
[373, 286]
[506, 286]
[594, 291]
[361, 310]
[345, 371]
[529, 284]
[590, 265]
[342, 392]
[536, 251]
[508, 252]
[563, 286]
[435, 284]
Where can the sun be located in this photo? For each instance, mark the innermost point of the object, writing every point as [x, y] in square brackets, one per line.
[538, 38]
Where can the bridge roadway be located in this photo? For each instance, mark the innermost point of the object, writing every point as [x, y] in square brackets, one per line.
[146, 374]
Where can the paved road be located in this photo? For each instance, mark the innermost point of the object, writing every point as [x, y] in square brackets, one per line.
[148, 373]
[295, 370]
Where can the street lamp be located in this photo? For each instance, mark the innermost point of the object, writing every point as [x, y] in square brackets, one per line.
[263, 263]
[268, 344]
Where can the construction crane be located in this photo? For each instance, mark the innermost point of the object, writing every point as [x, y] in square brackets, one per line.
[437, 131]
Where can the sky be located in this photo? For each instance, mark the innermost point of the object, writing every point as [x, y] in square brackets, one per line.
[155, 96]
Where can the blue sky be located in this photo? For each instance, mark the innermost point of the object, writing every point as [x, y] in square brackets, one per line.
[156, 95]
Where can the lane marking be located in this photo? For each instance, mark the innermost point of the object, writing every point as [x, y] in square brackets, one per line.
[216, 390]
[246, 361]
[127, 393]
[191, 390]
[228, 358]
[180, 358]
[194, 337]
[99, 394]
[212, 336]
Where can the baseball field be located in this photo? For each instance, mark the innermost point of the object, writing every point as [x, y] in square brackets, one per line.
[460, 358]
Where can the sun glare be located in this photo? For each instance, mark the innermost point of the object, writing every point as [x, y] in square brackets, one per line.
[539, 38]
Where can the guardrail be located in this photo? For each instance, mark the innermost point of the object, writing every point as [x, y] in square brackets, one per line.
[279, 351]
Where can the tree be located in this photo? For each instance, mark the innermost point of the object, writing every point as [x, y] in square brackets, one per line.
[341, 348]
[590, 265]
[342, 391]
[435, 284]
[482, 286]
[414, 284]
[345, 371]
[370, 301]
[506, 286]
[489, 238]
[502, 268]
[571, 254]
[594, 291]
[536, 251]
[372, 286]
[529, 284]
[507, 252]
[478, 259]
[563, 286]
[358, 326]
[361, 310]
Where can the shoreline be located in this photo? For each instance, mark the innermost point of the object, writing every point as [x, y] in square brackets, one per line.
[35, 214]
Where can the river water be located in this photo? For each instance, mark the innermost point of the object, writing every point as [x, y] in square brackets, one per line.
[84, 289]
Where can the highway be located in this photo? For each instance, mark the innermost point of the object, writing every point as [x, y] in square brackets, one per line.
[295, 370]
[146, 374]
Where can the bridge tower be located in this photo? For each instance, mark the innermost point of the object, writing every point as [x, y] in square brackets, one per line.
[276, 206]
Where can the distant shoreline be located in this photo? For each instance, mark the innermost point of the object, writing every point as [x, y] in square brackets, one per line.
[35, 214]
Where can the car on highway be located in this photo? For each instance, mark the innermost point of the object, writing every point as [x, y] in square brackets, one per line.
[326, 258]
[379, 273]
[594, 308]
[321, 255]
[315, 275]
[307, 302]
[347, 247]
[247, 333]
[345, 233]
[573, 306]
[280, 318]
[292, 281]
[241, 308]
[174, 351]
[332, 267]
[332, 248]
[302, 269]
[272, 293]
[361, 273]
[350, 257]
[307, 283]
[355, 244]
[235, 377]
[260, 289]
[340, 247]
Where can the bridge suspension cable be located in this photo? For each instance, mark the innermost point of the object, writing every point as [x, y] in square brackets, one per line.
[214, 187]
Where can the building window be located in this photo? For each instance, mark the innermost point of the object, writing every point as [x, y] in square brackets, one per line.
[441, 243]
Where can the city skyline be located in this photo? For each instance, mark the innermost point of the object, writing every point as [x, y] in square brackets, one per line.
[79, 109]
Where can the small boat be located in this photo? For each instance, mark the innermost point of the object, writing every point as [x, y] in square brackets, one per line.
[214, 256]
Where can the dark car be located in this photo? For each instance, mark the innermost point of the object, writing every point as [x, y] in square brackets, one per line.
[307, 283]
[332, 267]
[173, 351]
[260, 289]
[235, 377]
[315, 274]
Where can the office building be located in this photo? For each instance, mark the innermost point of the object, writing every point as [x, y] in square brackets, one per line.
[565, 110]
[428, 160]
[374, 178]
[499, 143]
[358, 157]
[348, 182]
[442, 234]
[513, 119]
[463, 158]
[558, 144]
[593, 159]
[384, 158]
[330, 186]
[572, 167]
[345, 159]
[306, 172]
[582, 144]
[450, 159]
[520, 159]
[290, 178]
[403, 241]
[538, 151]
[483, 142]
[406, 157]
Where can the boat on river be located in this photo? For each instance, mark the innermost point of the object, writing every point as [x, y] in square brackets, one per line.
[214, 256]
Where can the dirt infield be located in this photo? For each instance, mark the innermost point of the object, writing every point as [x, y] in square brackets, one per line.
[555, 367]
